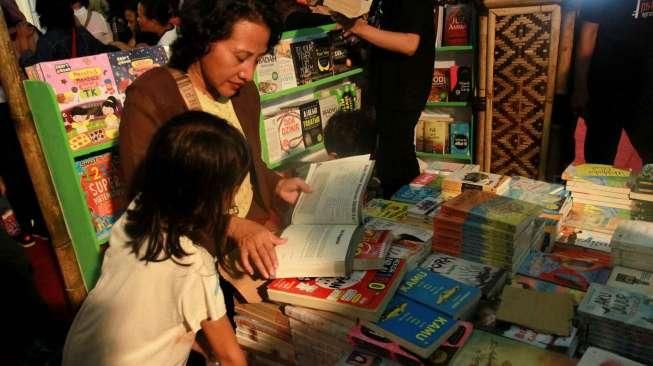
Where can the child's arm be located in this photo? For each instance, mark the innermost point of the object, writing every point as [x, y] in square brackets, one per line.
[223, 342]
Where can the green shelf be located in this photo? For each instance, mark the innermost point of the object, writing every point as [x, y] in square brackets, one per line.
[296, 156]
[459, 157]
[447, 104]
[310, 86]
[467, 48]
[305, 32]
[95, 148]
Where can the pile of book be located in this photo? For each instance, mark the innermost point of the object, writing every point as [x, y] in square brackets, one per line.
[618, 320]
[438, 133]
[632, 245]
[641, 194]
[599, 185]
[487, 228]
[462, 180]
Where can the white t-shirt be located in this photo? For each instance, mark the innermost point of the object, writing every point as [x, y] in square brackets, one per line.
[168, 37]
[144, 313]
[97, 25]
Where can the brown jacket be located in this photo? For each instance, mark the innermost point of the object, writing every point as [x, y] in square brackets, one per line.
[154, 98]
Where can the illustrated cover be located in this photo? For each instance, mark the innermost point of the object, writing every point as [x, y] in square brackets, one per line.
[436, 135]
[371, 251]
[311, 123]
[459, 136]
[128, 65]
[530, 283]
[484, 348]
[439, 85]
[489, 182]
[323, 58]
[596, 356]
[418, 328]
[616, 304]
[599, 175]
[92, 123]
[565, 270]
[264, 312]
[413, 194]
[283, 134]
[460, 83]
[305, 60]
[362, 294]
[100, 178]
[386, 209]
[487, 278]
[276, 71]
[595, 218]
[413, 252]
[440, 293]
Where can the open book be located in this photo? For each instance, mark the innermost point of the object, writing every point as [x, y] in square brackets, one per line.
[349, 8]
[325, 226]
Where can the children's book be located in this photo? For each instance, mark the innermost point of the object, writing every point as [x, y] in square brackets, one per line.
[596, 356]
[372, 249]
[413, 194]
[484, 348]
[362, 294]
[416, 327]
[129, 65]
[629, 308]
[631, 279]
[326, 224]
[387, 210]
[451, 297]
[100, 178]
[488, 279]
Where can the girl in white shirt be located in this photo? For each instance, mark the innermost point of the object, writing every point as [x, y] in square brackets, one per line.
[158, 288]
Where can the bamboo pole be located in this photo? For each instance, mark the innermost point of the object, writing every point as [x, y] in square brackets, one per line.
[38, 169]
[566, 47]
[489, 89]
[482, 115]
[550, 89]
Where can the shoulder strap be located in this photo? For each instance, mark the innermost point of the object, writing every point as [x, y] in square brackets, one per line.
[88, 18]
[186, 89]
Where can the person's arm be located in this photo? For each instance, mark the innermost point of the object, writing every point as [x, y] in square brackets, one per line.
[584, 53]
[404, 43]
[223, 343]
[256, 244]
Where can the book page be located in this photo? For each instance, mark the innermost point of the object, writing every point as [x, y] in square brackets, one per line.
[338, 187]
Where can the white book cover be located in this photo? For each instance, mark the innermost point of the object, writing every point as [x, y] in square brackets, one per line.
[596, 356]
[631, 279]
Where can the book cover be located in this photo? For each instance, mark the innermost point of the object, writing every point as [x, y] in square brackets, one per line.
[372, 249]
[595, 356]
[485, 348]
[565, 270]
[439, 85]
[328, 107]
[488, 182]
[283, 134]
[305, 60]
[362, 294]
[631, 279]
[444, 168]
[323, 58]
[636, 235]
[101, 181]
[400, 230]
[571, 236]
[460, 83]
[530, 283]
[339, 51]
[599, 175]
[416, 327]
[459, 135]
[413, 252]
[456, 24]
[440, 293]
[487, 278]
[595, 218]
[413, 194]
[622, 306]
[275, 71]
[349, 8]
[423, 179]
[311, 123]
[129, 65]
[436, 136]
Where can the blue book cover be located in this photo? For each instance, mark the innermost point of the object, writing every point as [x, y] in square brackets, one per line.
[459, 136]
[413, 195]
[414, 326]
[438, 292]
[620, 305]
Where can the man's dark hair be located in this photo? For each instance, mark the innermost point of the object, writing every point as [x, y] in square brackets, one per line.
[55, 14]
[206, 21]
[83, 3]
[159, 10]
[350, 133]
[186, 184]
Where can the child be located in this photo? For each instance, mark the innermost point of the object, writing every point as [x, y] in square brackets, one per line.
[350, 133]
[157, 287]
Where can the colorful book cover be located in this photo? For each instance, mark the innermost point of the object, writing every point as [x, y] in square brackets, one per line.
[595, 356]
[283, 134]
[417, 327]
[372, 250]
[440, 293]
[631, 279]
[530, 283]
[275, 71]
[436, 136]
[413, 194]
[128, 65]
[362, 294]
[599, 174]
[565, 270]
[385, 209]
[525, 187]
[487, 278]
[630, 308]
[460, 83]
[459, 135]
[595, 218]
[104, 190]
[484, 348]
[323, 58]
[461, 181]
[328, 107]
[423, 179]
[572, 236]
[457, 23]
[439, 85]
[311, 123]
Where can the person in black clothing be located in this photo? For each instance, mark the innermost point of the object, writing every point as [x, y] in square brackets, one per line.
[613, 84]
[63, 37]
[401, 69]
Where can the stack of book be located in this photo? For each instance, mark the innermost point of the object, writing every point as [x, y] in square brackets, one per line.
[487, 228]
[600, 185]
[632, 245]
[445, 168]
[320, 337]
[263, 331]
[462, 180]
[591, 226]
[618, 320]
[641, 194]
[395, 211]
[631, 279]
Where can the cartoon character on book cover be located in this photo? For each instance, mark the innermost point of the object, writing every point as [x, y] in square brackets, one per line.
[128, 65]
[92, 123]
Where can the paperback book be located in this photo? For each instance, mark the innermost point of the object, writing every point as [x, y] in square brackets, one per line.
[372, 249]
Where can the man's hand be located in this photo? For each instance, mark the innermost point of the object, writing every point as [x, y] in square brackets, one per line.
[289, 189]
[256, 244]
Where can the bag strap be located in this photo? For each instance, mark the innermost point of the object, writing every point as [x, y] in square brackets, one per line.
[186, 90]
[73, 50]
[88, 18]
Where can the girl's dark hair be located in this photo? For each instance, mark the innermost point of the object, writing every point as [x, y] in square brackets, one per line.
[186, 185]
[55, 14]
[206, 21]
[349, 133]
[111, 102]
[159, 10]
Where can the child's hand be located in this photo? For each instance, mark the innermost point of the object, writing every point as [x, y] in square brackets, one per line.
[256, 244]
[289, 189]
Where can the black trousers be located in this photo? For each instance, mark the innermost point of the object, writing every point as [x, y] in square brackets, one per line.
[396, 162]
